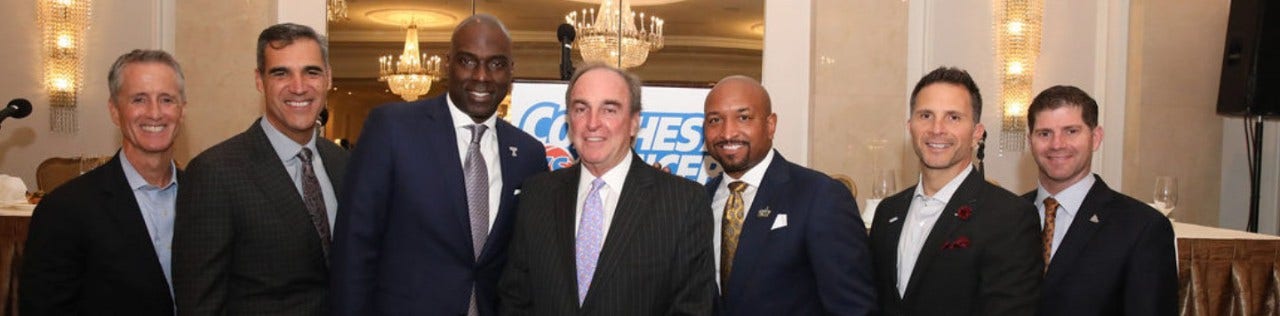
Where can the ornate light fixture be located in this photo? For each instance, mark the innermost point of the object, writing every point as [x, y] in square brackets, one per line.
[337, 10]
[1017, 28]
[411, 75]
[63, 24]
[610, 35]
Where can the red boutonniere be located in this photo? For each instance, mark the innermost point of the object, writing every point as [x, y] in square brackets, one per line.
[959, 243]
[964, 212]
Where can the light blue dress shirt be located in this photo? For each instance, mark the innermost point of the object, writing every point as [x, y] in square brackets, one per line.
[157, 205]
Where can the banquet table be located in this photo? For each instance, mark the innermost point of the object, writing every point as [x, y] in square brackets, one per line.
[13, 235]
[1226, 272]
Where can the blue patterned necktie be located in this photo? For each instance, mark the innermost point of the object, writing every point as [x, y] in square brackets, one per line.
[590, 238]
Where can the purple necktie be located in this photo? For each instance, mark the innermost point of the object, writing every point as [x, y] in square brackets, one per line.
[590, 238]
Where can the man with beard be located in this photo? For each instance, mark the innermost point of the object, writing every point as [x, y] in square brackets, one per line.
[252, 232]
[1105, 253]
[99, 244]
[954, 244]
[432, 191]
[788, 238]
[610, 235]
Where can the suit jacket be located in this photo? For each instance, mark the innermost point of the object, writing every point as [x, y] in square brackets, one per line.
[88, 251]
[403, 245]
[1122, 264]
[818, 264]
[987, 264]
[656, 259]
[243, 240]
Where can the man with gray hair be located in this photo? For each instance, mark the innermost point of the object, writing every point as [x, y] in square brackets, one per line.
[610, 235]
[100, 243]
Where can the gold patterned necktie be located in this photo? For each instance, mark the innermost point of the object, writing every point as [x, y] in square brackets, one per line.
[1050, 214]
[731, 227]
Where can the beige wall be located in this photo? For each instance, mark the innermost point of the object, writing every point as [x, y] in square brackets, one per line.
[117, 27]
[1171, 127]
[858, 75]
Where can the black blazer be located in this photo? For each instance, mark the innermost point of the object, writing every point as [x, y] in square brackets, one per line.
[402, 244]
[817, 264]
[88, 251]
[243, 240]
[1121, 264]
[656, 259]
[988, 264]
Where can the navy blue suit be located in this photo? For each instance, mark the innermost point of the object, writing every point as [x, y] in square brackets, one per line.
[818, 264]
[402, 244]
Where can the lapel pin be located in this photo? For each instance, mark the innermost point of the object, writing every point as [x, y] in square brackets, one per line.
[513, 150]
[764, 213]
[894, 219]
[1094, 219]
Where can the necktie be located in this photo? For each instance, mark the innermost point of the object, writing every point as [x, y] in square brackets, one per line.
[730, 228]
[1050, 215]
[314, 199]
[477, 181]
[590, 238]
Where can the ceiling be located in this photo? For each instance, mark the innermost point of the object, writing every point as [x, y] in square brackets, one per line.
[734, 24]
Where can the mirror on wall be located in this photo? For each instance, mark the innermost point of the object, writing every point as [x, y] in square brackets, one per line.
[691, 43]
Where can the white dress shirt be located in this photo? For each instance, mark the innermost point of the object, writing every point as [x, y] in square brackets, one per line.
[609, 193]
[488, 149]
[288, 150]
[921, 216]
[753, 178]
[1069, 201]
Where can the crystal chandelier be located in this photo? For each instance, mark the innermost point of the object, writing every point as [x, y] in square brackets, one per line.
[1017, 27]
[610, 35]
[337, 10]
[412, 74]
[63, 25]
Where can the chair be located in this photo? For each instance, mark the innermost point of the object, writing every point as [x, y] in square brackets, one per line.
[848, 182]
[53, 172]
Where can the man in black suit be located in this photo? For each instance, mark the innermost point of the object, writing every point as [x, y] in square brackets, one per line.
[252, 232]
[426, 219]
[954, 244]
[1107, 253]
[610, 235]
[788, 237]
[99, 244]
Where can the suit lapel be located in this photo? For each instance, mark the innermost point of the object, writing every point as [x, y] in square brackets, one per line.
[273, 180]
[443, 145]
[946, 225]
[122, 207]
[507, 161]
[564, 213]
[636, 198]
[890, 215]
[755, 229]
[1081, 230]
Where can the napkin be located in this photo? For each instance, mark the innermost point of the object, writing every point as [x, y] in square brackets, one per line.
[12, 190]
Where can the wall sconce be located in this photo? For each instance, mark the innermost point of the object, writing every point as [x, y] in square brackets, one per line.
[1017, 28]
[63, 24]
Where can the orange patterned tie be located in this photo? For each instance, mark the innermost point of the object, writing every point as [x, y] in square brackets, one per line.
[1050, 214]
[731, 226]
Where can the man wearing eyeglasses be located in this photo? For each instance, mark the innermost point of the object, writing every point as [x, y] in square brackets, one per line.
[431, 191]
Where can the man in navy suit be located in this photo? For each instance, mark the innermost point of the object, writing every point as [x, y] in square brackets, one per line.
[789, 239]
[432, 189]
[99, 244]
[1106, 253]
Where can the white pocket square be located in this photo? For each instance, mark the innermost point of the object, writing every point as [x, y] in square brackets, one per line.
[779, 221]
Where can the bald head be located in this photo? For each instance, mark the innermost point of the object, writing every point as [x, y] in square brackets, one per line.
[482, 20]
[739, 124]
[480, 65]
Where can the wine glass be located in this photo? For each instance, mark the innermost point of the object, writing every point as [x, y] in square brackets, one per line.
[884, 184]
[1166, 194]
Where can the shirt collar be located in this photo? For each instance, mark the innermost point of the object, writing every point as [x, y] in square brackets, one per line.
[613, 178]
[1070, 198]
[136, 181]
[945, 193]
[285, 148]
[754, 176]
[461, 119]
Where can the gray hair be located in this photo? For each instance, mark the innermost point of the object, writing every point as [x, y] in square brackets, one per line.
[633, 84]
[144, 56]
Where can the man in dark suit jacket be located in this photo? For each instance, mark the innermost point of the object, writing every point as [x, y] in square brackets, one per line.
[953, 244]
[404, 242]
[800, 249]
[610, 235]
[1107, 253]
[252, 231]
[99, 244]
